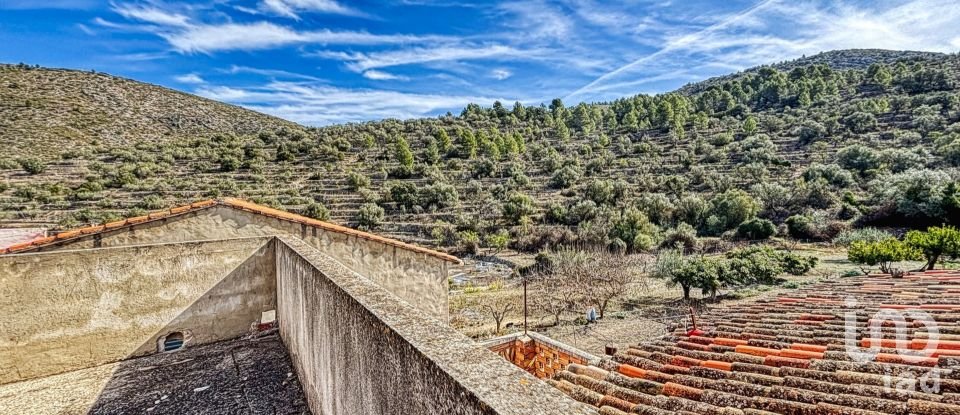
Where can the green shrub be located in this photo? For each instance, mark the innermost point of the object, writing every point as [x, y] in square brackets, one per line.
[683, 237]
[794, 264]
[517, 207]
[756, 229]
[800, 227]
[370, 215]
[229, 163]
[883, 253]
[440, 195]
[847, 238]
[730, 209]
[357, 181]
[32, 166]
[565, 177]
[317, 211]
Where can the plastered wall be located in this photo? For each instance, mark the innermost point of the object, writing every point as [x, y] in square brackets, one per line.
[360, 350]
[67, 310]
[417, 278]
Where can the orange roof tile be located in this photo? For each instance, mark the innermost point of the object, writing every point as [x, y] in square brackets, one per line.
[235, 204]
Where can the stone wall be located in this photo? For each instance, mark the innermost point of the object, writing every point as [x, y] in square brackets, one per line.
[416, 277]
[69, 310]
[358, 349]
[539, 355]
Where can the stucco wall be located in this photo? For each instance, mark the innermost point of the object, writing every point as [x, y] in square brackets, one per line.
[360, 350]
[418, 278]
[68, 310]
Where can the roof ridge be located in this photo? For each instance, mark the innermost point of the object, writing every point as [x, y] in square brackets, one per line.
[230, 202]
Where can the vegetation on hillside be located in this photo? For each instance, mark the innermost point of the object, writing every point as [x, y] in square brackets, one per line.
[808, 153]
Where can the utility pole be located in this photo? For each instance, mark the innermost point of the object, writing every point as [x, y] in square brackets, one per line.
[524, 305]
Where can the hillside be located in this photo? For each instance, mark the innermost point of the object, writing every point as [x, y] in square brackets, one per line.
[65, 109]
[829, 148]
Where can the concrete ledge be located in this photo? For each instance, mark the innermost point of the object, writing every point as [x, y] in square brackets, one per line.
[359, 349]
[539, 338]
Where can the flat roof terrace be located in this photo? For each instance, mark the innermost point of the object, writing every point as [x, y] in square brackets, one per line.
[241, 376]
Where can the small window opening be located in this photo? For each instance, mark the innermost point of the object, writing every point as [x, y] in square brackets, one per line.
[173, 341]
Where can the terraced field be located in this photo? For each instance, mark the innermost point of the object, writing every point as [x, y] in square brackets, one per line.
[110, 147]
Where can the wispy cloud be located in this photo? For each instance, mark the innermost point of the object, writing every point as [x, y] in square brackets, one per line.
[265, 35]
[500, 74]
[774, 30]
[322, 105]
[272, 73]
[151, 14]
[678, 43]
[360, 62]
[383, 76]
[190, 78]
[291, 8]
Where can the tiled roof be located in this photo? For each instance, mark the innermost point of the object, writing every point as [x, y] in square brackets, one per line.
[229, 202]
[788, 356]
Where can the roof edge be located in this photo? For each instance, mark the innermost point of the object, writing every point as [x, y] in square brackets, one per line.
[232, 203]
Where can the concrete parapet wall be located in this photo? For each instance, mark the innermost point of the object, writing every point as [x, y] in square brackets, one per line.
[358, 349]
[69, 310]
[415, 277]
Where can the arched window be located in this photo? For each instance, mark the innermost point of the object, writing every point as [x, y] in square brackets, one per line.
[173, 341]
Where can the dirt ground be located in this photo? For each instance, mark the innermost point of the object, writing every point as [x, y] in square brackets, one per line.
[645, 311]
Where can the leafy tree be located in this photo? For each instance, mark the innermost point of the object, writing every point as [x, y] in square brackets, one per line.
[920, 194]
[860, 122]
[883, 253]
[468, 143]
[878, 74]
[936, 242]
[730, 209]
[705, 273]
[497, 241]
[635, 229]
[750, 125]
[403, 154]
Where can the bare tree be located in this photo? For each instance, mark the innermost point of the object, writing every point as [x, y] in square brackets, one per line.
[554, 294]
[575, 278]
[498, 306]
[609, 275]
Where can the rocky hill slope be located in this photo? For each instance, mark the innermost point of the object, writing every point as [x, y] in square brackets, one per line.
[64, 109]
[820, 147]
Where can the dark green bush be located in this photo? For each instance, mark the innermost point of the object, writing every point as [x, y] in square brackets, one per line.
[756, 229]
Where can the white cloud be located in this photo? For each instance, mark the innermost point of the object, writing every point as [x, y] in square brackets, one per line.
[500, 74]
[290, 8]
[773, 31]
[274, 73]
[265, 35]
[323, 105]
[86, 29]
[360, 62]
[383, 76]
[190, 78]
[152, 15]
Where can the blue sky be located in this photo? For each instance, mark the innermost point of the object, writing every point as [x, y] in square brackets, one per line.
[322, 62]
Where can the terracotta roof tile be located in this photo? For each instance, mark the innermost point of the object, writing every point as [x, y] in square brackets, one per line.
[236, 204]
[789, 355]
